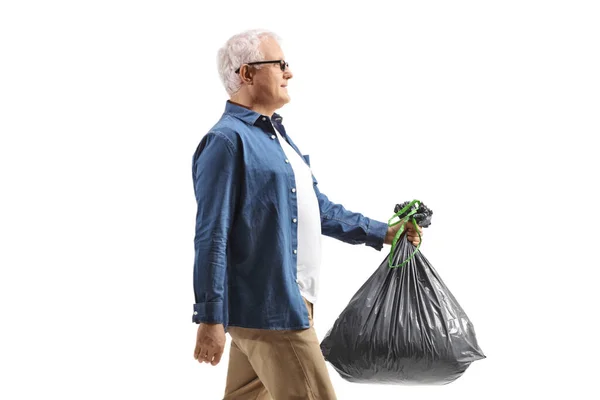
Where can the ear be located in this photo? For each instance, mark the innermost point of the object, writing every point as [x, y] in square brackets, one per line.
[247, 74]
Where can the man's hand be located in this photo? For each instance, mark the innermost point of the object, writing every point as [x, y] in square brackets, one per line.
[210, 343]
[411, 233]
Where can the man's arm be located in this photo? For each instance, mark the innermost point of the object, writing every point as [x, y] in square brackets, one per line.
[348, 226]
[215, 173]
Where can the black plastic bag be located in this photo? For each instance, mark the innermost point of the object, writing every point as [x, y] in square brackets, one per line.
[403, 326]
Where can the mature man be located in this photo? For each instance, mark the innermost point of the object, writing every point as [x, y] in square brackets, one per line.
[258, 234]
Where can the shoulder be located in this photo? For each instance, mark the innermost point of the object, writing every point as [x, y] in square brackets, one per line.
[234, 131]
[227, 131]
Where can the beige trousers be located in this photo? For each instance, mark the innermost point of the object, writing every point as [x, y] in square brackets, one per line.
[277, 365]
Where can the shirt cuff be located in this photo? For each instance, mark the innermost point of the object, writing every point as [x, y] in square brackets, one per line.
[376, 232]
[211, 313]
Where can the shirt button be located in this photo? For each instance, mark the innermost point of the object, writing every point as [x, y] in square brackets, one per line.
[294, 220]
[293, 190]
[273, 137]
[287, 161]
[195, 312]
[295, 251]
[264, 118]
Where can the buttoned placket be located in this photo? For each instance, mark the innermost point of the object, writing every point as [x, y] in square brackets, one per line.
[273, 136]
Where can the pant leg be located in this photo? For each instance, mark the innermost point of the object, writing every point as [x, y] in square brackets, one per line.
[242, 381]
[288, 363]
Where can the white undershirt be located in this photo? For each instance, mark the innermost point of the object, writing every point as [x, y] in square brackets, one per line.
[309, 224]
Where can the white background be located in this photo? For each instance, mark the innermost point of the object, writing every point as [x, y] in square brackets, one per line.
[486, 111]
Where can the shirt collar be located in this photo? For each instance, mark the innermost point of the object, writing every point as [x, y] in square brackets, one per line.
[248, 116]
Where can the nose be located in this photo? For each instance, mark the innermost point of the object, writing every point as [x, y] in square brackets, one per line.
[287, 74]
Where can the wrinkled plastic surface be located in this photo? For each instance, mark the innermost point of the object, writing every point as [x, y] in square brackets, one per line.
[403, 326]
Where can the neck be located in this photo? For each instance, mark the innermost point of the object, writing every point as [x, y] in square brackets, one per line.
[245, 101]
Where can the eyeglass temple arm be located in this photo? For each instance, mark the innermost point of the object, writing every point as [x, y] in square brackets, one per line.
[237, 71]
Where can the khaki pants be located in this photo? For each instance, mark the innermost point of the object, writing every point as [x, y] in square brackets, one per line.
[277, 365]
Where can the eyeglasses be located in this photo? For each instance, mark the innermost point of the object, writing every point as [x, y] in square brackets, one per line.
[282, 64]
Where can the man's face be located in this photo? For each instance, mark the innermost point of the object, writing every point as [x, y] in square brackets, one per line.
[270, 82]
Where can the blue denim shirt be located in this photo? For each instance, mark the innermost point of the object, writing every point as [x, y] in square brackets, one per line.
[245, 240]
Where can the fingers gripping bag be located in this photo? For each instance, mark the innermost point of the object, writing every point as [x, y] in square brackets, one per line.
[403, 326]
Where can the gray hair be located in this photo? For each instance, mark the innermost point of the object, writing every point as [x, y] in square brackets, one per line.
[240, 49]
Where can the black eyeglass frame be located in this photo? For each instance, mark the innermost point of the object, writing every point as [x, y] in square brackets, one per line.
[282, 64]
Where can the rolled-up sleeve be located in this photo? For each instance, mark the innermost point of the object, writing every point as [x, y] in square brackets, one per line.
[215, 173]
